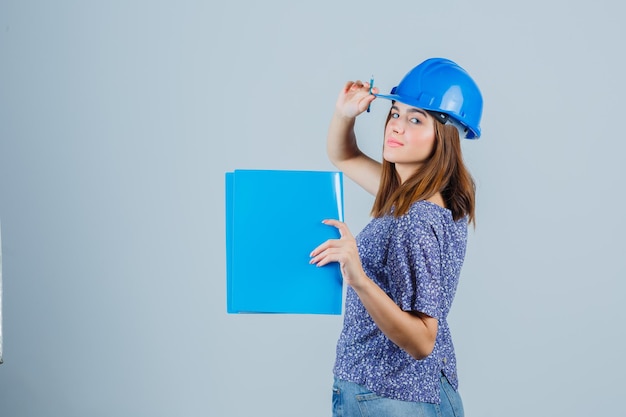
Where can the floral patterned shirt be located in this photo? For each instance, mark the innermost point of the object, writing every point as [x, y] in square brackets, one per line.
[416, 259]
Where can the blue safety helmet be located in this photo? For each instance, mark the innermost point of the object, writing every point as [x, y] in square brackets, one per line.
[446, 90]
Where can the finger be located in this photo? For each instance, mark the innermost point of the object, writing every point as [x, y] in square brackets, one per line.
[341, 226]
[319, 259]
[323, 261]
[317, 256]
[321, 248]
[325, 257]
[330, 243]
[358, 85]
[367, 100]
[334, 223]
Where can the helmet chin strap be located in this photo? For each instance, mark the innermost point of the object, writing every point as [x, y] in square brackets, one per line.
[440, 117]
[445, 119]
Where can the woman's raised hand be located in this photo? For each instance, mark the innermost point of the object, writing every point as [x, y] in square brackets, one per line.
[354, 99]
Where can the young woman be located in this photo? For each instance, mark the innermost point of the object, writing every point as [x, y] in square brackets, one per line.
[395, 355]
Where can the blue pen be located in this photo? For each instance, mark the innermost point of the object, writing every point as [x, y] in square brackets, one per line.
[371, 86]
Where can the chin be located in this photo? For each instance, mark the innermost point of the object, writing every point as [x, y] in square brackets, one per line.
[388, 156]
[391, 159]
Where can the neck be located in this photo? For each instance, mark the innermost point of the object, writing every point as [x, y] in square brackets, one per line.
[406, 171]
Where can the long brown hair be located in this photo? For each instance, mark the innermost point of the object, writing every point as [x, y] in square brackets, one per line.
[443, 171]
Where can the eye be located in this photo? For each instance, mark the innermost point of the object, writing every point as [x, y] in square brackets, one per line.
[395, 115]
[414, 120]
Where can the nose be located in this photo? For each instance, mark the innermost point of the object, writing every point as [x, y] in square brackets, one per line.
[397, 126]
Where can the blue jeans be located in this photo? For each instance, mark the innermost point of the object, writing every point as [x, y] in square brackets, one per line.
[353, 400]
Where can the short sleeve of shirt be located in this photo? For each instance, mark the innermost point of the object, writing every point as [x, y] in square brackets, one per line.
[414, 267]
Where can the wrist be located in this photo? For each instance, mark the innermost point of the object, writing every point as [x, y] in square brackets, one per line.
[340, 116]
[362, 284]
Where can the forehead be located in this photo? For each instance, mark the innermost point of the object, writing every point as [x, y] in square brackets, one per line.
[408, 109]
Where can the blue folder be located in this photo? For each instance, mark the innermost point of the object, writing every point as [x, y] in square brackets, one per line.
[273, 222]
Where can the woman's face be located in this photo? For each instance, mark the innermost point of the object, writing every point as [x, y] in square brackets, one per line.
[409, 138]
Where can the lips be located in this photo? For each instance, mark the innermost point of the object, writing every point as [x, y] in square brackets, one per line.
[394, 143]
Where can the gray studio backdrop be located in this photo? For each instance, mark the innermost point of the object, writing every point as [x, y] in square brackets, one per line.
[118, 120]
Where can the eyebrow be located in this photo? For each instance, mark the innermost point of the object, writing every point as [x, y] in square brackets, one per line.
[411, 110]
